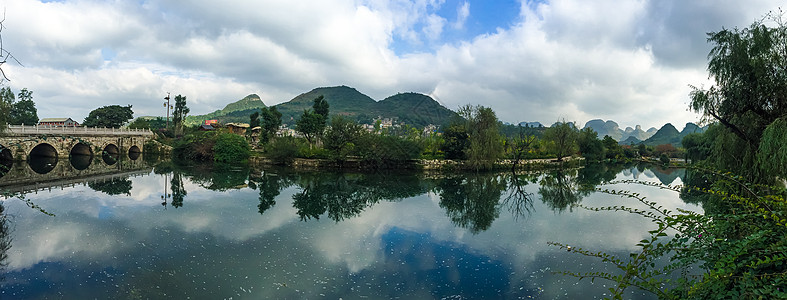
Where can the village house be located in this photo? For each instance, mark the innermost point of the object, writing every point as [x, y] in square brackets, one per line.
[58, 122]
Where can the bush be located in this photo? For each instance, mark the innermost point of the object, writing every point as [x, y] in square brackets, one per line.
[196, 147]
[381, 151]
[283, 150]
[230, 147]
[664, 158]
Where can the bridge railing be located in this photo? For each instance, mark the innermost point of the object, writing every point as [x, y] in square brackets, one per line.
[49, 129]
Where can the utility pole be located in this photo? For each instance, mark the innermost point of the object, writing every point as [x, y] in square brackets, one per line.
[168, 108]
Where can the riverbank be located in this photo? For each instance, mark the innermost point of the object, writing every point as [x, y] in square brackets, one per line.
[421, 164]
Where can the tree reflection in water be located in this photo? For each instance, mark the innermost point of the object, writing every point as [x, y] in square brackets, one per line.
[5, 241]
[270, 185]
[178, 190]
[343, 196]
[115, 186]
[519, 201]
[560, 189]
[471, 201]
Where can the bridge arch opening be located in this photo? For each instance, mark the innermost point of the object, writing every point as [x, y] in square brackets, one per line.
[134, 152]
[43, 158]
[43, 150]
[81, 149]
[111, 149]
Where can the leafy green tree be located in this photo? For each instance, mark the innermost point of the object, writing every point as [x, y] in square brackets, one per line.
[750, 93]
[341, 137]
[6, 103]
[254, 119]
[283, 150]
[179, 113]
[589, 145]
[271, 121]
[486, 143]
[385, 151]
[112, 116]
[24, 111]
[321, 106]
[456, 141]
[697, 146]
[311, 125]
[611, 148]
[561, 139]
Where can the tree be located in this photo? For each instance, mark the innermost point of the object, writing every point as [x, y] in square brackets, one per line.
[561, 138]
[179, 113]
[6, 103]
[112, 116]
[271, 121]
[748, 67]
[254, 120]
[320, 106]
[312, 122]
[589, 145]
[612, 148]
[24, 111]
[341, 137]
[456, 141]
[485, 141]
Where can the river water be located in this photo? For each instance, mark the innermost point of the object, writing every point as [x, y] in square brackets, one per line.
[163, 231]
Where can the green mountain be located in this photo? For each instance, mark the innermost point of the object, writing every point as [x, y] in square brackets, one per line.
[342, 100]
[237, 111]
[411, 108]
[668, 134]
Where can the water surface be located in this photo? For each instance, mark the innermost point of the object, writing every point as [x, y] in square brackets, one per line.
[239, 233]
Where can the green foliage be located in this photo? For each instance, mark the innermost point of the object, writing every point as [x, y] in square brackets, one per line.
[561, 139]
[24, 111]
[254, 120]
[310, 125]
[271, 120]
[6, 104]
[750, 89]
[383, 151]
[664, 159]
[456, 141]
[230, 148]
[772, 154]
[486, 145]
[341, 137]
[179, 113]
[195, 147]
[697, 146]
[321, 106]
[112, 116]
[283, 150]
[612, 149]
[312, 122]
[740, 246]
[589, 145]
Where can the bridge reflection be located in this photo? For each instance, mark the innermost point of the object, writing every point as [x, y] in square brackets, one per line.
[43, 172]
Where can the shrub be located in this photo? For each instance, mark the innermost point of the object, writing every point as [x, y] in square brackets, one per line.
[664, 158]
[381, 151]
[230, 147]
[283, 150]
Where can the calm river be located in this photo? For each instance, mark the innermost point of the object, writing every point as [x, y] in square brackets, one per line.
[153, 232]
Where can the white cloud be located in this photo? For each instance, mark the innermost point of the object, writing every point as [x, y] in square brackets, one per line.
[462, 12]
[629, 61]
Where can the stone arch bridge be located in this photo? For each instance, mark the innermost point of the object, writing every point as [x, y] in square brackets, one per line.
[23, 142]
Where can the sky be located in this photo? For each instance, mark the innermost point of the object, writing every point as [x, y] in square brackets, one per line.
[630, 61]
